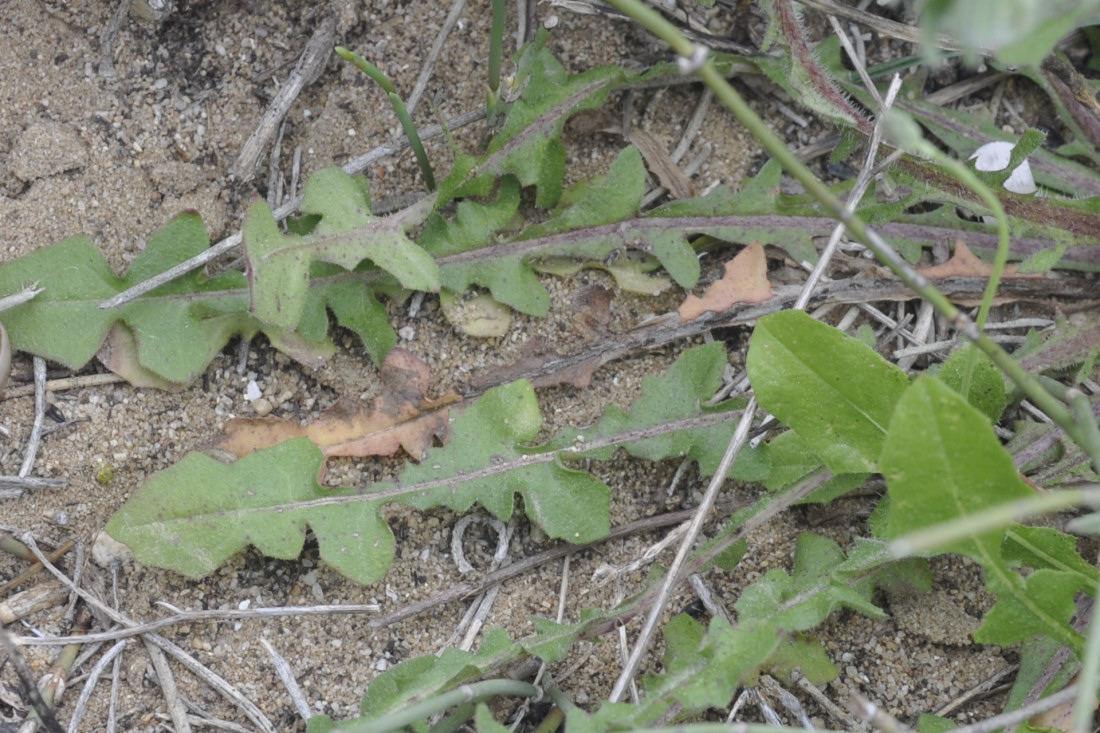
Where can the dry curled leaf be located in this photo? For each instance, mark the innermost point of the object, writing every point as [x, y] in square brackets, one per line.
[401, 418]
[592, 311]
[745, 281]
[964, 263]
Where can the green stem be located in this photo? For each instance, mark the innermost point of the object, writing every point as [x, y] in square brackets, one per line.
[496, 53]
[399, 109]
[414, 140]
[988, 520]
[886, 254]
[1088, 679]
[455, 719]
[367, 68]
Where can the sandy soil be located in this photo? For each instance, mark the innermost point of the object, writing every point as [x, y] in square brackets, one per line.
[116, 157]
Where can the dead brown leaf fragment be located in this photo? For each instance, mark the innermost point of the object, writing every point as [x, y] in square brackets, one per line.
[401, 418]
[964, 263]
[745, 281]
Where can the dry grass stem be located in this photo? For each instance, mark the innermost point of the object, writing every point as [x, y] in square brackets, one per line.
[286, 675]
[309, 67]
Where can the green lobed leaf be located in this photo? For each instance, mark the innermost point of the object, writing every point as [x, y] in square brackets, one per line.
[346, 234]
[568, 504]
[175, 330]
[528, 144]
[195, 515]
[474, 226]
[269, 498]
[834, 391]
[758, 212]
[590, 228]
[674, 397]
[707, 674]
[355, 307]
[600, 200]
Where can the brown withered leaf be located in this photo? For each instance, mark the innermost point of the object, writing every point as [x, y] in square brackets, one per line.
[964, 263]
[745, 281]
[592, 311]
[401, 418]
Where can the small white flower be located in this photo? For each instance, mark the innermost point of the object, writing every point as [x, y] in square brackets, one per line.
[994, 156]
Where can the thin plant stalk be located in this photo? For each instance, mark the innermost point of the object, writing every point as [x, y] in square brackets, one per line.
[496, 53]
[1088, 679]
[399, 109]
[695, 58]
[944, 534]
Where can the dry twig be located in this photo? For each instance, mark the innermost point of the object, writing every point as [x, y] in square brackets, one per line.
[306, 71]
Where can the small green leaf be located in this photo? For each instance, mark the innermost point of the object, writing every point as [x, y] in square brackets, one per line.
[928, 723]
[528, 144]
[484, 721]
[970, 367]
[1038, 657]
[835, 392]
[631, 271]
[356, 308]
[724, 658]
[1044, 260]
[807, 655]
[346, 235]
[683, 637]
[803, 600]
[422, 677]
[1043, 547]
[675, 396]
[614, 197]
[790, 460]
